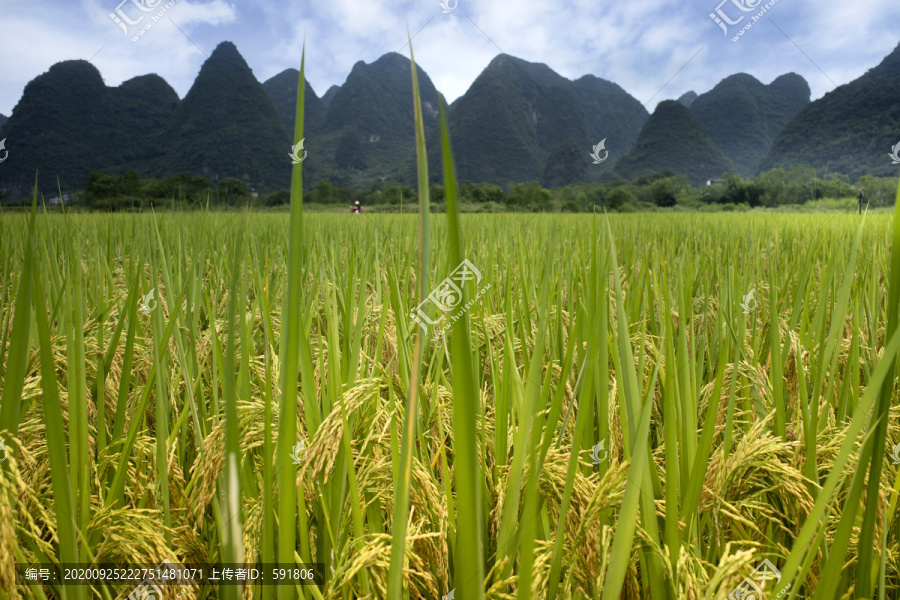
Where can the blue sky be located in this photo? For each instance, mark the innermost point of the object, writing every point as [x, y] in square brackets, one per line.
[655, 49]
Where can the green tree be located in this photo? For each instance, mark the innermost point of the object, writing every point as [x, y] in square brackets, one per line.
[232, 191]
[529, 195]
[397, 194]
[482, 192]
[278, 198]
[801, 184]
[436, 193]
[131, 183]
[594, 196]
[324, 193]
[618, 197]
[794, 186]
[186, 188]
[104, 191]
[343, 195]
[470, 192]
[836, 185]
[879, 191]
[663, 191]
[738, 191]
[493, 193]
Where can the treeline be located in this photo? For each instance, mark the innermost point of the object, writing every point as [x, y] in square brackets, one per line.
[123, 192]
[778, 187]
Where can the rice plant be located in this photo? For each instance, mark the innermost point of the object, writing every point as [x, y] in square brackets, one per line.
[623, 406]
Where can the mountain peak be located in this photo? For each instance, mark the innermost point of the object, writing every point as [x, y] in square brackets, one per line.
[286, 76]
[500, 59]
[793, 84]
[543, 116]
[152, 83]
[674, 139]
[225, 70]
[741, 78]
[74, 124]
[791, 78]
[377, 99]
[743, 116]
[226, 50]
[282, 89]
[895, 54]
[390, 57]
[688, 98]
[226, 61]
[327, 96]
[393, 60]
[850, 130]
[504, 61]
[891, 62]
[227, 108]
[80, 73]
[670, 107]
[538, 73]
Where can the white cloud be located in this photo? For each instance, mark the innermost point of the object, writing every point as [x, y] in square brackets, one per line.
[215, 12]
[638, 44]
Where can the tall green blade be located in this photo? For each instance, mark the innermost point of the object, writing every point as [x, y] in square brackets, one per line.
[63, 498]
[466, 408]
[636, 434]
[290, 357]
[867, 543]
[232, 528]
[17, 361]
[403, 472]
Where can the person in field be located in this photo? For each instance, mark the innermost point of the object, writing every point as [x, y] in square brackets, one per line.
[860, 200]
[356, 208]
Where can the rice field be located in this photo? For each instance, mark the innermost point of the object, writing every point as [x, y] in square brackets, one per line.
[723, 420]
[631, 406]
